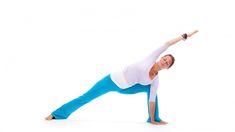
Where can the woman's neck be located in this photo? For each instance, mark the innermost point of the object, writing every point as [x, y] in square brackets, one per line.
[156, 68]
[154, 71]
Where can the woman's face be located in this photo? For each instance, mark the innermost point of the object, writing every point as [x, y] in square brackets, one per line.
[165, 62]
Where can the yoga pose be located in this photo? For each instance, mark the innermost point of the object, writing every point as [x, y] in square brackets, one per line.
[141, 76]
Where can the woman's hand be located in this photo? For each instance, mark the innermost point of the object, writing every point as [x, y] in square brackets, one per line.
[155, 123]
[163, 122]
[192, 33]
[177, 39]
[159, 123]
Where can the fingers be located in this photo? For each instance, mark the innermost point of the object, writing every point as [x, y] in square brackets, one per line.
[190, 34]
[159, 123]
[163, 122]
[195, 31]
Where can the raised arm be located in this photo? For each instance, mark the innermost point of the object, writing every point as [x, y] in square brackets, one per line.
[156, 53]
[179, 38]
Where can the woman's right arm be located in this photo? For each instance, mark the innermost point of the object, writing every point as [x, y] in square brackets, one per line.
[179, 38]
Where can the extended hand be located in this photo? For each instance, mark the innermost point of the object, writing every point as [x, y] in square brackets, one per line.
[192, 33]
[163, 122]
[159, 123]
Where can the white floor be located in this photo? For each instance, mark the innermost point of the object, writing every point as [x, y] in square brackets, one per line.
[114, 126]
[106, 126]
[31, 118]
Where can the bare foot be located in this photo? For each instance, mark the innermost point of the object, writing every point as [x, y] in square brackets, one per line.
[50, 117]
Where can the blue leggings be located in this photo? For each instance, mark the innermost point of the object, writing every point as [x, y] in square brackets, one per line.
[104, 86]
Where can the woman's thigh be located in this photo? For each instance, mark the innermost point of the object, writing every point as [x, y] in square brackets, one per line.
[135, 89]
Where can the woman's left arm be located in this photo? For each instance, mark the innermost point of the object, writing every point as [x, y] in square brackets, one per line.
[182, 37]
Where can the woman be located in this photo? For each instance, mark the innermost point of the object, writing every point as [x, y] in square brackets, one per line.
[138, 77]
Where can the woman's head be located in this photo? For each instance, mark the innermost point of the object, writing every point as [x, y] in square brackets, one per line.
[166, 61]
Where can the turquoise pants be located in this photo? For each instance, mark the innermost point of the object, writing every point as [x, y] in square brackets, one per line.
[104, 86]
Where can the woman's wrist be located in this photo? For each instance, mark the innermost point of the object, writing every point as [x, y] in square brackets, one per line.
[184, 36]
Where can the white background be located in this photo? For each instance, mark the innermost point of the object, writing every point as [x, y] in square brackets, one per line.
[52, 51]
